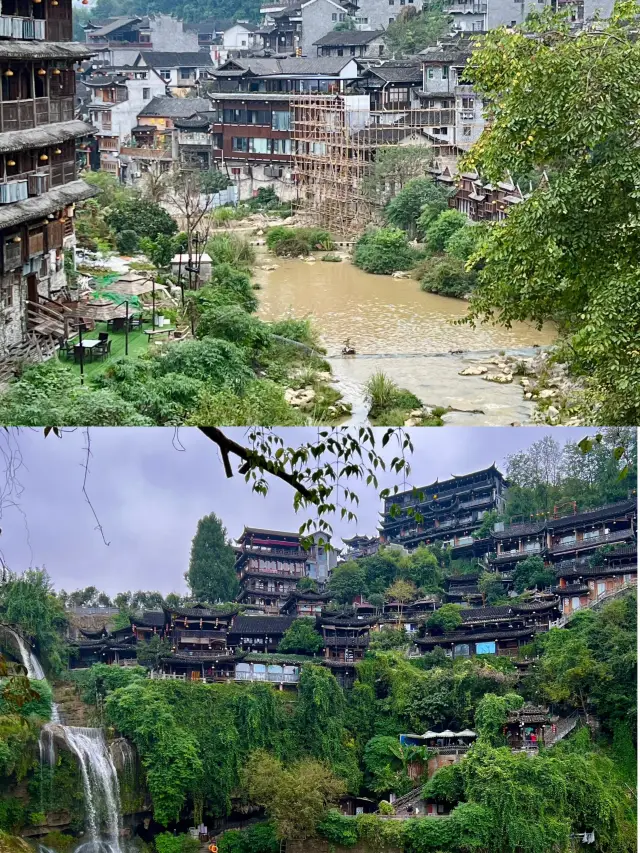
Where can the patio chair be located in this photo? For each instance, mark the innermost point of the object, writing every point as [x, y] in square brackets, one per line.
[103, 349]
[135, 323]
[77, 353]
[103, 336]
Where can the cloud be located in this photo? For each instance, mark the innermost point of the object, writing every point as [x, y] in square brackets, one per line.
[149, 487]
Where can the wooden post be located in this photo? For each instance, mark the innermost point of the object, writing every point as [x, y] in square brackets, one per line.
[126, 328]
[81, 353]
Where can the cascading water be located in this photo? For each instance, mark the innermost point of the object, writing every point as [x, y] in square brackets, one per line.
[99, 776]
[101, 789]
[32, 665]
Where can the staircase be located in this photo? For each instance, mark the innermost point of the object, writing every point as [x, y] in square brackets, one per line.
[47, 317]
[36, 347]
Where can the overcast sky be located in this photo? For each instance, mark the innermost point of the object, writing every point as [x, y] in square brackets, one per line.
[148, 496]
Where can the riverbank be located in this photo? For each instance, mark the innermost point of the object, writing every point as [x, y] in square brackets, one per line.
[413, 337]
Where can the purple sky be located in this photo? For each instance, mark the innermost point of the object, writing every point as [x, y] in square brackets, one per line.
[149, 496]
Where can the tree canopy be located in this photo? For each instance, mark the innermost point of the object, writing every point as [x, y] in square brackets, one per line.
[559, 99]
[211, 575]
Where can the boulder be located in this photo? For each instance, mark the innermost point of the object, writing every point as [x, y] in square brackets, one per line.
[474, 370]
[400, 274]
[416, 413]
[269, 267]
[500, 378]
[411, 422]
[548, 393]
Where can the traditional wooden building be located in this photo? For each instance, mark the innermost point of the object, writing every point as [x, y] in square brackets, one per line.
[526, 728]
[148, 624]
[258, 633]
[198, 628]
[104, 646]
[301, 603]
[585, 581]
[483, 201]
[39, 185]
[269, 565]
[451, 510]
[499, 630]
[346, 638]
[360, 546]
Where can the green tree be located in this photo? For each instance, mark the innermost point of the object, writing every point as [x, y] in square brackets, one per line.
[347, 581]
[447, 276]
[491, 588]
[465, 241]
[385, 764]
[439, 230]
[423, 570]
[445, 619]
[403, 211]
[383, 251]
[295, 797]
[569, 252]
[144, 217]
[211, 576]
[531, 574]
[412, 32]
[393, 167]
[301, 638]
[492, 714]
[151, 654]
[403, 592]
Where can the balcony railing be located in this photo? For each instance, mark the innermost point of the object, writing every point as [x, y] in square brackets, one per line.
[602, 539]
[23, 115]
[273, 677]
[21, 28]
[475, 502]
[186, 138]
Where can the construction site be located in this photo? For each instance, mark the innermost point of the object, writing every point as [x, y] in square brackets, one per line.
[349, 160]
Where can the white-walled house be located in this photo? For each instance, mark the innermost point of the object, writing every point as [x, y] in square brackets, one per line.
[179, 70]
[241, 36]
[117, 96]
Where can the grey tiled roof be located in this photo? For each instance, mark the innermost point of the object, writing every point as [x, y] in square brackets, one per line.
[168, 107]
[177, 59]
[347, 38]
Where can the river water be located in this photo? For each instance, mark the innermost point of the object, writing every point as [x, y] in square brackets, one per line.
[408, 334]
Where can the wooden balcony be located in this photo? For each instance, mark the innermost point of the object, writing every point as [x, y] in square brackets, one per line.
[12, 26]
[23, 115]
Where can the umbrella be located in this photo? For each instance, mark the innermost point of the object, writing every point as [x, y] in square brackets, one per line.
[467, 733]
[430, 734]
[447, 733]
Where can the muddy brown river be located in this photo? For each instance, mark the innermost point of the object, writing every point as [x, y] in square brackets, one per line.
[408, 334]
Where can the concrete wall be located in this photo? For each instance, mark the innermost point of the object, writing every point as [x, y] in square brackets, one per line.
[237, 37]
[124, 116]
[381, 12]
[167, 33]
[317, 21]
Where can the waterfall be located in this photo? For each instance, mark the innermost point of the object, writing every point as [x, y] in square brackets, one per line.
[101, 789]
[33, 666]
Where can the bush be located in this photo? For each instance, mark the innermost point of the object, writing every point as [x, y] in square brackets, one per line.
[292, 246]
[420, 196]
[219, 363]
[235, 285]
[233, 324]
[383, 251]
[214, 181]
[385, 396]
[127, 242]
[262, 402]
[291, 242]
[231, 249]
[144, 217]
[385, 807]
[260, 838]
[447, 276]
[447, 618]
[166, 842]
[442, 228]
[464, 242]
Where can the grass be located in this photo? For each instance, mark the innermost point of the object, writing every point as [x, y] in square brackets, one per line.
[390, 405]
[137, 345]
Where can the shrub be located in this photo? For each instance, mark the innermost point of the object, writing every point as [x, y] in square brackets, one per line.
[441, 229]
[386, 397]
[292, 246]
[219, 363]
[127, 242]
[464, 242]
[262, 402]
[448, 277]
[291, 242]
[144, 217]
[166, 842]
[420, 196]
[447, 618]
[222, 215]
[383, 251]
[231, 249]
[233, 324]
[384, 807]
[214, 181]
[234, 285]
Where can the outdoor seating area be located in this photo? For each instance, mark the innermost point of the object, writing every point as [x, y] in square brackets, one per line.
[101, 344]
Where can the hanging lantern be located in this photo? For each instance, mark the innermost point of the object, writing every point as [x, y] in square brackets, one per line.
[17, 239]
[43, 157]
[55, 3]
[56, 71]
[8, 73]
[57, 151]
[11, 162]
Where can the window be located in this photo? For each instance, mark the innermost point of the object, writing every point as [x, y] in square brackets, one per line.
[281, 146]
[6, 294]
[488, 648]
[146, 94]
[334, 17]
[106, 120]
[244, 42]
[567, 540]
[461, 650]
[342, 16]
[591, 534]
[575, 603]
[467, 103]
[258, 117]
[445, 72]
[391, 20]
[280, 120]
[352, 51]
[165, 74]
[430, 73]
[240, 143]
[398, 95]
[362, 20]
[466, 131]
[235, 171]
[258, 146]
[477, 25]
[340, 52]
[513, 23]
[602, 586]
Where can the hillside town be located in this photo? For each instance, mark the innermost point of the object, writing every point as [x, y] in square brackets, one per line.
[484, 625]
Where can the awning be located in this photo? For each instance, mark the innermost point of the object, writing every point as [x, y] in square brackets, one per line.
[42, 205]
[46, 134]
